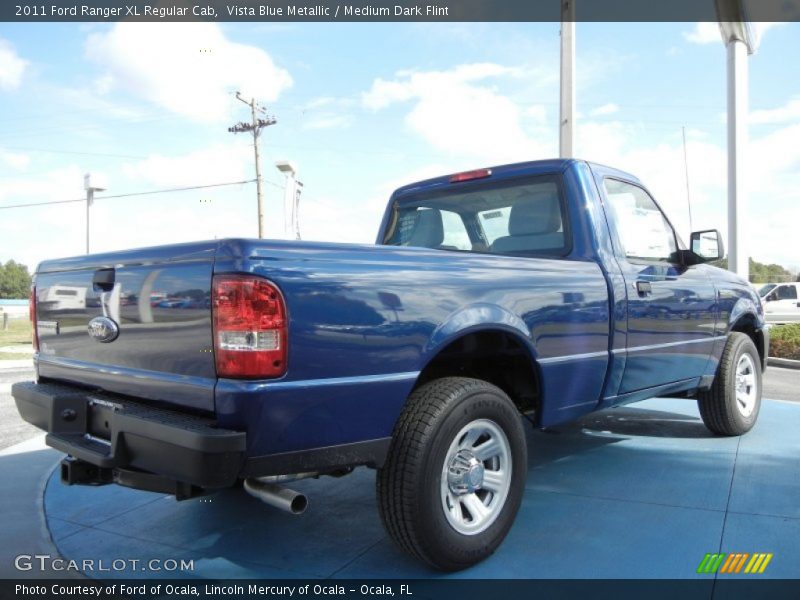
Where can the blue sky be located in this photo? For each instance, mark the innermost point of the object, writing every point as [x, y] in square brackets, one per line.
[364, 108]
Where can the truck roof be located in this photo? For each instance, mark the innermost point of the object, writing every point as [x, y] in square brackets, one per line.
[534, 167]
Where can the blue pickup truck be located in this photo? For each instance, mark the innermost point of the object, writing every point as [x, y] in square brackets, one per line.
[546, 289]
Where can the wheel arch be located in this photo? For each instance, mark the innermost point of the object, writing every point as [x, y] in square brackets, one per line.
[499, 352]
[748, 319]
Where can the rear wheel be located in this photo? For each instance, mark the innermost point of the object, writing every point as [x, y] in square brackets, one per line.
[732, 404]
[453, 480]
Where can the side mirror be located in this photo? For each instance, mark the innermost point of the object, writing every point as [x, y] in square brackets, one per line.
[707, 245]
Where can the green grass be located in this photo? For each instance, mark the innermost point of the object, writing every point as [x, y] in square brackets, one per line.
[19, 332]
[14, 356]
[785, 341]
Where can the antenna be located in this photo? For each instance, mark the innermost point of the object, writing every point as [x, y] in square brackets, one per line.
[686, 173]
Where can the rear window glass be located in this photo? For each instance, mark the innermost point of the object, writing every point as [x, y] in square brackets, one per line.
[525, 216]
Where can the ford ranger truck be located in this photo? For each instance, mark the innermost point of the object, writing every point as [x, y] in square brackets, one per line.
[547, 289]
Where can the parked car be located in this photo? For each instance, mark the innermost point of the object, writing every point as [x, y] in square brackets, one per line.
[551, 289]
[781, 302]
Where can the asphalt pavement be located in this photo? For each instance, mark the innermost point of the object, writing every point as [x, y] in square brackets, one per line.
[13, 429]
[782, 384]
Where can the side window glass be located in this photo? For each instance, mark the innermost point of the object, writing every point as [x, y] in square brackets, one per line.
[787, 292]
[455, 234]
[643, 229]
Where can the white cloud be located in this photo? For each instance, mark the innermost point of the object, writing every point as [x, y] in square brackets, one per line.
[12, 67]
[412, 84]
[328, 112]
[703, 33]
[761, 28]
[457, 111]
[537, 112]
[353, 224]
[15, 160]
[35, 233]
[188, 68]
[605, 109]
[709, 33]
[328, 121]
[790, 112]
[217, 164]
[330, 220]
[773, 174]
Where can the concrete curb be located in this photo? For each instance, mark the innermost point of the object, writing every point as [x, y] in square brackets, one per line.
[786, 363]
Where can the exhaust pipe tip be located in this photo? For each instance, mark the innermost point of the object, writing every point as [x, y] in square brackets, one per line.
[278, 496]
[299, 504]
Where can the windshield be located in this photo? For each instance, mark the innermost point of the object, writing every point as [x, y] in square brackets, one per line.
[523, 216]
[766, 289]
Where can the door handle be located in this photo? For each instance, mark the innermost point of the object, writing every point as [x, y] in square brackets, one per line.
[644, 288]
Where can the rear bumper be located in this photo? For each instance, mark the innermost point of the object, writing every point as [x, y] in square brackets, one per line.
[118, 435]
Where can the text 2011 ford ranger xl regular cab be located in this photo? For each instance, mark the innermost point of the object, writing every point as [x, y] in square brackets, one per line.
[553, 288]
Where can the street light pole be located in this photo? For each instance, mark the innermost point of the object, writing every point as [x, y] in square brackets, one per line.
[291, 199]
[566, 124]
[740, 40]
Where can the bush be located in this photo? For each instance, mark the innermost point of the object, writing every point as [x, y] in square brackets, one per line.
[785, 341]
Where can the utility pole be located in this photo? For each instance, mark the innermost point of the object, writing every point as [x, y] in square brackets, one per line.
[255, 126]
[87, 185]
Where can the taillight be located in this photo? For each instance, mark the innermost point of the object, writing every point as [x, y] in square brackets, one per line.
[250, 327]
[32, 313]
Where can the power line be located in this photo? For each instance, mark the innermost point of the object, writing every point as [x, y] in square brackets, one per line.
[180, 189]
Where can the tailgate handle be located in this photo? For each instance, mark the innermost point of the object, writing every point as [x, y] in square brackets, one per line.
[103, 280]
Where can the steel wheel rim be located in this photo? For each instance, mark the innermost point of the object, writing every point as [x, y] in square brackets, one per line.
[746, 385]
[476, 477]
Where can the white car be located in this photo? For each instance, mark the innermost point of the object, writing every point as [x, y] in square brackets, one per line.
[781, 302]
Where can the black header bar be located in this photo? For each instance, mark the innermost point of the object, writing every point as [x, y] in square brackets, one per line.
[704, 588]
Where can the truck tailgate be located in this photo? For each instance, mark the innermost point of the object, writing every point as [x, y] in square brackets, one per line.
[159, 298]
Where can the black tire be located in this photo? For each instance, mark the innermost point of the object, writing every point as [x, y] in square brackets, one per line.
[721, 410]
[412, 491]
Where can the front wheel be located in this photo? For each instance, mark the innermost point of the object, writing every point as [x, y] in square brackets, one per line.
[455, 473]
[732, 404]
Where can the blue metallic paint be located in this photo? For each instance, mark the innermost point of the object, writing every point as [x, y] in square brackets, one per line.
[667, 322]
[341, 323]
[164, 349]
[364, 321]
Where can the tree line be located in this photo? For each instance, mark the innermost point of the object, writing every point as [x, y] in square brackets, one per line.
[15, 281]
[763, 273]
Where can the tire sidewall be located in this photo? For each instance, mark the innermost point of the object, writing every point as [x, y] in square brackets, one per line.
[462, 549]
[744, 346]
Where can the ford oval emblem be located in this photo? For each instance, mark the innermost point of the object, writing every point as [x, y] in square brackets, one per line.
[103, 329]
